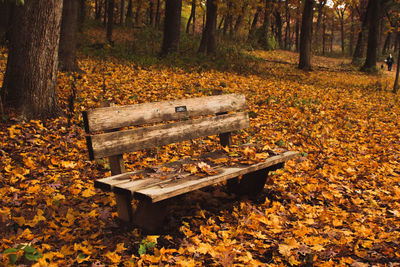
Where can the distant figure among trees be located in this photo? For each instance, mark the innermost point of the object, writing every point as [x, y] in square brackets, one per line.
[389, 61]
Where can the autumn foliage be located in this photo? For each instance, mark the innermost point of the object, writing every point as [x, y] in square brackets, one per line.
[338, 205]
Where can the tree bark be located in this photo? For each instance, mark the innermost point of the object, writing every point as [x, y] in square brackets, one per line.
[172, 23]
[297, 28]
[122, 13]
[208, 42]
[30, 80]
[138, 14]
[129, 14]
[278, 25]
[263, 38]
[253, 26]
[323, 34]
[370, 61]
[110, 21]
[351, 42]
[288, 42]
[359, 49]
[68, 36]
[321, 5]
[192, 17]
[306, 36]
[396, 81]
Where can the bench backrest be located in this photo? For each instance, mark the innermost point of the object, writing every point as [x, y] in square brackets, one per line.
[225, 119]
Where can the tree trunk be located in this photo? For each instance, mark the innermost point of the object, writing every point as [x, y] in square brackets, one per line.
[306, 36]
[122, 13]
[138, 14]
[263, 38]
[30, 80]
[98, 7]
[81, 14]
[192, 17]
[158, 14]
[110, 21]
[129, 14]
[332, 32]
[68, 36]
[287, 29]
[105, 12]
[208, 42]
[359, 49]
[278, 30]
[386, 45]
[396, 81]
[321, 5]
[239, 19]
[351, 42]
[5, 19]
[297, 28]
[253, 26]
[323, 34]
[172, 23]
[370, 61]
[342, 31]
[152, 17]
[228, 18]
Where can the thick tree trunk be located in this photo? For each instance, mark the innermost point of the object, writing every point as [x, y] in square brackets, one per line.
[370, 61]
[263, 38]
[5, 11]
[192, 17]
[359, 49]
[68, 36]
[172, 23]
[81, 14]
[110, 21]
[208, 42]
[30, 80]
[306, 36]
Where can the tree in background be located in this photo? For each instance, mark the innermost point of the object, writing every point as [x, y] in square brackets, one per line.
[30, 80]
[110, 21]
[172, 23]
[68, 36]
[208, 42]
[306, 36]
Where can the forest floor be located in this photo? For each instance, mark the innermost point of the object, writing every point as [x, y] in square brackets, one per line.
[338, 205]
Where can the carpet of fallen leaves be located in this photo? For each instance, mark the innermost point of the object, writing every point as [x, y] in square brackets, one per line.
[337, 205]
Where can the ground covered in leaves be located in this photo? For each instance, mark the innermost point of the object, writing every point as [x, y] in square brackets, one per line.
[337, 205]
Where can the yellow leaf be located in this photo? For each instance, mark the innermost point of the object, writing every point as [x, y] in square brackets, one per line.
[88, 193]
[113, 256]
[120, 247]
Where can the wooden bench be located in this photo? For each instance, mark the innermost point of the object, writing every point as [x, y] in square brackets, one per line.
[185, 119]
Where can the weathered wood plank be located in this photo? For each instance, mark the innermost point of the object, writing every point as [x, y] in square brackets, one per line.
[106, 118]
[177, 187]
[115, 143]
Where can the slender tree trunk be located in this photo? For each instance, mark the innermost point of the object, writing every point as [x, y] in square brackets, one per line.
[323, 34]
[122, 14]
[306, 36]
[152, 11]
[208, 42]
[298, 28]
[172, 23]
[98, 7]
[253, 26]
[239, 19]
[396, 81]
[138, 14]
[287, 30]
[158, 14]
[342, 32]
[370, 61]
[105, 12]
[110, 21]
[192, 16]
[321, 5]
[278, 30]
[30, 80]
[68, 36]
[228, 18]
[332, 32]
[129, 13]
[351, 41]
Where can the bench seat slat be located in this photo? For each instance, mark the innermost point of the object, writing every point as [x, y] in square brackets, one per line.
[107, 118]
[168, 189]
[115, 143]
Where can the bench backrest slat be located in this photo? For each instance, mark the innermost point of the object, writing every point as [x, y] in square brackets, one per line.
[107, 118]
[115, 143]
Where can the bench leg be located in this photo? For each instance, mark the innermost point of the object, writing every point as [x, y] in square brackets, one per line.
[124, 207]
[150, 216]
[251, 183]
